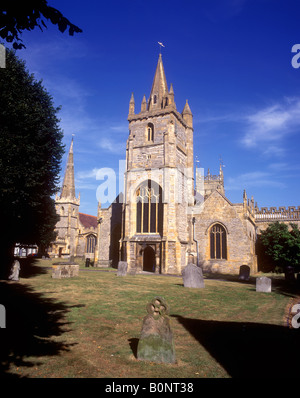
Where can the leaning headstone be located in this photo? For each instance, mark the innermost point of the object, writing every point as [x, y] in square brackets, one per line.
[156, 341]
[244, 272]
[263, 284]
[14, 272]
[192, 276]
[122, 268]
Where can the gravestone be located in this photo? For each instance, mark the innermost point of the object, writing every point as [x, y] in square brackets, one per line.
[263, 284]
[2, 316]
[14, 272]
[244, 272]
[64, 270]
[192, 276]
[289, 274]
[87, 262]
[122, 268]
[156, 340]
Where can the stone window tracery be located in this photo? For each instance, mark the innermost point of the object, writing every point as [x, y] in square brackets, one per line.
[218, 242]
[90, 244]
[149, 208]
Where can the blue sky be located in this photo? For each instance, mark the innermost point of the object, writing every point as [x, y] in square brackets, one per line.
[231, 59]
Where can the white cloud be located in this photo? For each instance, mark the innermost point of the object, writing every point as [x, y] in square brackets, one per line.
[81, 175]
[112, 146]
[86, 179]
[251, 180]
[267, 128]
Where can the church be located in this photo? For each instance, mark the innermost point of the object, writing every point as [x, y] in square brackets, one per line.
[76, 233]
[169, 213]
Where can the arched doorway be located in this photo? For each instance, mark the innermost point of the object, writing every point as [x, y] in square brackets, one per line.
[149, 260]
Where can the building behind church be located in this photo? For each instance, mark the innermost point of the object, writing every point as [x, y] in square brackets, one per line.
[169, 214]
[76, 232]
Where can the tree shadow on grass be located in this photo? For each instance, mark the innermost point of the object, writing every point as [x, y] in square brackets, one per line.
[246, 349]
[32, 323]
[29, 268]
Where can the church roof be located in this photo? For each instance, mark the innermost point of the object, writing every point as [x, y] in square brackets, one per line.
[87, 220]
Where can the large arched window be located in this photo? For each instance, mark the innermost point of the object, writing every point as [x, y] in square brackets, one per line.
[90, 244]
[218, 242]
[149, 208]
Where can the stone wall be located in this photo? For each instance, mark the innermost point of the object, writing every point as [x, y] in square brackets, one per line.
[105, 238]
[240, 232]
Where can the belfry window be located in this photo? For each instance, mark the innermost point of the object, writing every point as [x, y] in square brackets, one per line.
[218, 242]
[90, 244]
[150, 132]
[149, 208]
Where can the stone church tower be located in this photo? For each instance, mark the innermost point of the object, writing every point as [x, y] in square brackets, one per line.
[158, 181]
[67, 206]
[76, 232]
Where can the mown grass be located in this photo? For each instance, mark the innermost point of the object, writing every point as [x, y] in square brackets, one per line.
[89, 326]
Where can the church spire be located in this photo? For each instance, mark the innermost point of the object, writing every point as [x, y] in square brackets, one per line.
[68, 188]
[159, 89]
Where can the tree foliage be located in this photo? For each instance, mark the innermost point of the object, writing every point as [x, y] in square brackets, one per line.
[15, 17]
[282, 245]
[30, 157]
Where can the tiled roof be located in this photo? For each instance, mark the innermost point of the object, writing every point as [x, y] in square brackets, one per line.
[88, 221]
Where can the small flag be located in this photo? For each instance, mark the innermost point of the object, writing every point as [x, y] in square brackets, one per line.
[160, 44]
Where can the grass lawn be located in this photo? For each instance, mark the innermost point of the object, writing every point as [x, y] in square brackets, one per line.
[89, 326]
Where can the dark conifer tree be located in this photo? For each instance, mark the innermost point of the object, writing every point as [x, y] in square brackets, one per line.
[30, 159]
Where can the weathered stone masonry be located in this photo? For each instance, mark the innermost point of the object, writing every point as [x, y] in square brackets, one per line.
[164, 219]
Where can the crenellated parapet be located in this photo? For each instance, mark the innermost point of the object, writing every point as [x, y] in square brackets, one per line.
[291, 213]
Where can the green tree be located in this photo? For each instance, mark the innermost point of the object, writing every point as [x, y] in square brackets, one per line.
[282, 245]
[30, 158]
[15, 17]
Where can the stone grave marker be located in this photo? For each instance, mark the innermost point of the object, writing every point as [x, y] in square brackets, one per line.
[289, 274]
[192, 276]
[244, 272]
[2, 316]
[122, 268]
[263, 284]
[156, 340]
[64, 270]
[14, 272]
